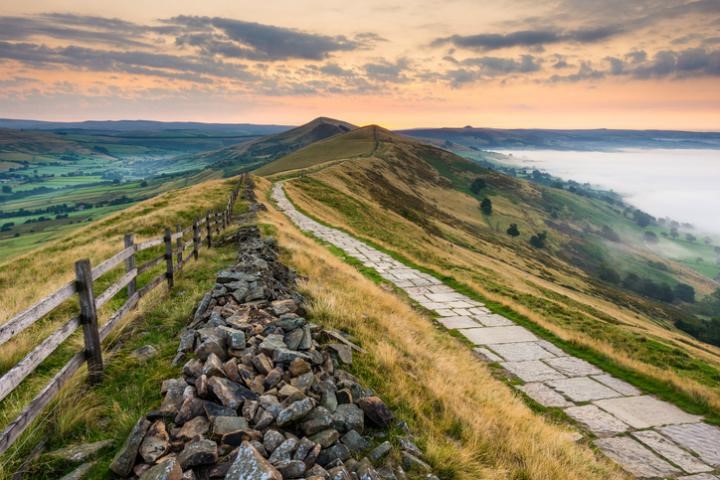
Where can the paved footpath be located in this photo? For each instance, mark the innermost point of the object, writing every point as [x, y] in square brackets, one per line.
[648, 437]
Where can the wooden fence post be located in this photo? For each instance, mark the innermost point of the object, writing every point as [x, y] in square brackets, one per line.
[209, 230]
[223, 215]
[180, 246]
[217, 221]
[88, 319]
[130, 264]
[169, 258]
[196, 238]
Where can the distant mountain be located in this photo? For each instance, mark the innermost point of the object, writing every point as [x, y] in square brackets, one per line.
[144, 127]
[254, 153]
[599, 139]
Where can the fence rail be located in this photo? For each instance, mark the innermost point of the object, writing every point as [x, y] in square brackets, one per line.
[174, 256]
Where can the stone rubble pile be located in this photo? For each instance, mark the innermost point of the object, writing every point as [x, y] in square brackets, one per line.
[261, 397]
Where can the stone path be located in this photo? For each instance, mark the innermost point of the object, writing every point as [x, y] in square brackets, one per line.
[648, 437]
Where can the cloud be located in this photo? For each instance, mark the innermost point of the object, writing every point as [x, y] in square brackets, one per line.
[493, 66]
[528, 38]
[137, 62]
[385, 71]
[254, 41]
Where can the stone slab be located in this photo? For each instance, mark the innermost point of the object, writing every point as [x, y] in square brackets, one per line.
[544, 395]
[573, 367]
[445, 297]
[518, 352]
[487, 355]
[445, 312]
[600, 423]
[645, 411]
[617, 384]
[582, 389]
[552, 348]
[532, 371]
[699, 476]
[458, 322]
[494, 335]
[700, 438]
[667, 449]
[635, 457]
[493, 320]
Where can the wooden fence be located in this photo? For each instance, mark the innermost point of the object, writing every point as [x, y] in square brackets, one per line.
[175, 256]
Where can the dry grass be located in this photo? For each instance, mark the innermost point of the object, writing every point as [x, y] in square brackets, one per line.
[471, 425]
[500, 274]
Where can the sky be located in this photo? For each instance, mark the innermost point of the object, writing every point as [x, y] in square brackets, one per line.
[428, 63]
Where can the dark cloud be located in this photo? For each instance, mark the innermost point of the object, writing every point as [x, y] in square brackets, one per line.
[585, 72]
[138, 62]
[385, 71]
[76, 28]
[528, 38]
[255, 41]
[493, 66]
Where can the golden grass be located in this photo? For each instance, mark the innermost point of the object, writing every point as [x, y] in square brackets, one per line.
[471, 425]
[496, 264]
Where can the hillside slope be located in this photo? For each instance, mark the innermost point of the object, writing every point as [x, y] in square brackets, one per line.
[416, 200]
[254, 153]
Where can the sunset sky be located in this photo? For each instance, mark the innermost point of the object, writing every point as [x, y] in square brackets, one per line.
[503, 63]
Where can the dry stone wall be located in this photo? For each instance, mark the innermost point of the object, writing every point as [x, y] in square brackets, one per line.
[264, 394]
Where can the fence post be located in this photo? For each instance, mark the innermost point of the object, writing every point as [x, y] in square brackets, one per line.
[196, 238]
[169, 258]
[209, 230]
[223, 216]
[180, 246]
[88, 319]
[217, 221]
[130, 264]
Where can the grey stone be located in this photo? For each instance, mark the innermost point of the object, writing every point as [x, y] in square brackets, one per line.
[285, 355]
[293, 338]
[348, 416]
[380, 451]
[645, 411]
[670, 451]
[582, 389]
[376, 411]
[229, 393]
[295, 411]
[335, 452]
[146, 352]
[354, 441]
[522, 351]
[250, 465]
[81, 452]
[532, 371]
[635, 458]
[271, 343]
[291, 468]
[544, 395]
[272, 439]
[412, 463]
[617, 385]
[283, 451]
[196, 427]
[213, 366]
[167, 470]
[223, 425]
[198, 452]
[458, 322]
[407, 445]
[486, 355]
[281, 307]
[339, 473]
[495, 335]
[700, 438]
[327, 437]
[124, 461]
[573, 367]
[80, 472]
[599, 422]
[156, 442]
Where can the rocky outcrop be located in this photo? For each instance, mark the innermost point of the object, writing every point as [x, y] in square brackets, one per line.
[261, 395]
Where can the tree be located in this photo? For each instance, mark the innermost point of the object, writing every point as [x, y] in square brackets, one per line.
[690, 237]
[513, 230]
[651, 237]
[486, 206]
[643, 219]
[538, 240]
[477, 185]
[684, 292]
[674, 233]
[144, 183]
[6, 189]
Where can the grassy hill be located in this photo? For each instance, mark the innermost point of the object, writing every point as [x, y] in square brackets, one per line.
[418, 201]
[254, 153]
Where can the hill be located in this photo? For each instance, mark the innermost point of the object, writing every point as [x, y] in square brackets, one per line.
[578, 267]
[254, 153]
[595, 140]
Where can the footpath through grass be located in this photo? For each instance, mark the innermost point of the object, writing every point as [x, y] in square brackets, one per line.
[647, 383]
